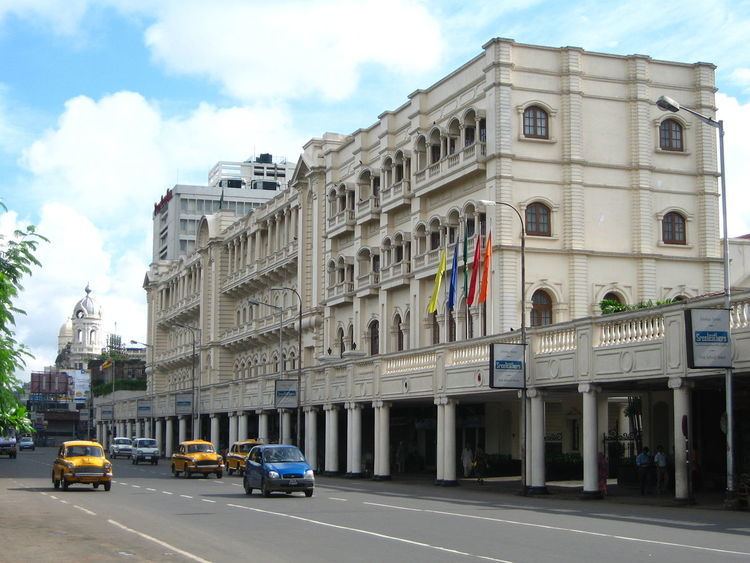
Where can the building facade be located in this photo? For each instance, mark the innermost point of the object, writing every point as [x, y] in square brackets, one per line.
[616, 200]
[80, 337]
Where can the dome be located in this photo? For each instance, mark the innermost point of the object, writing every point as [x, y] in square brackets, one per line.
[85, 307]
[66, 330]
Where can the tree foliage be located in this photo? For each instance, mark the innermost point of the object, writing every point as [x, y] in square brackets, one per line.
[17, 258]
[610, 306]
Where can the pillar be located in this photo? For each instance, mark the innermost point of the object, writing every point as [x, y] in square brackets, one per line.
[99, 432]
[356, 413]
[159, 441]
[286, 426]
[242, 426]
[602, 406]
[262, 426]
[128, 429]
[169, 440]
[215, 430]
[589, 395]
[311, 437]
[332, 439]
[147, 423]
[440, 453]
[538, 481]
[232, 429]
[182, 429]
[376, 441]
[449, 445]
[348, 408]
[383, 472]
[197, 428]
[681, 399]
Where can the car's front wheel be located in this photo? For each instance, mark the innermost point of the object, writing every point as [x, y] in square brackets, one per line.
[248, 488]
[107, 486]
[230, 470]
[55, 482]
[265, 490]
[175, 473]
[308, 493]
[65, 483]
[220, 474]
[96, 485]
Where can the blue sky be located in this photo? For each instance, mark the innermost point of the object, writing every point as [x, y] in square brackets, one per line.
[105, 104]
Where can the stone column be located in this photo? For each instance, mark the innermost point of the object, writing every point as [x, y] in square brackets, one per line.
[182, 429]
[356, 412]
[197, 428]
[99, 432]
[242, 426]
[449, 445]
[232, 428]
[347, 406]
[128, 429]
[311, 437]
[376, 441]
[147, 424]
[332, 439]
[590, 434]
[158, 436]
[262, 426]
[440, 454]
[602, 407]
[170, 437]
[538, 481]
[681, 399]
[384, 442]
[286, 426]
[215, 430]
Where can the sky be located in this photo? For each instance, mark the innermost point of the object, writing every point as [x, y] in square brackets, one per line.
[105, 104]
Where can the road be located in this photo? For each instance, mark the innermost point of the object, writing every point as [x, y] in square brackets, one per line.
[151, 516]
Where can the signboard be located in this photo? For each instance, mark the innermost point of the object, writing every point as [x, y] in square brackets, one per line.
[83, 415]
[285, 396]
[105, 412]
[506, 366]
[143, 407]
[183, 403]
[708, 339]
[81, 385]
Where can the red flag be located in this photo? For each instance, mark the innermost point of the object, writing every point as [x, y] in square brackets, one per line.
[474, 271]
[486, 269]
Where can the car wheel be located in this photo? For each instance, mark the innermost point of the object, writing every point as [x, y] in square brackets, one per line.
[133, 461]
[248, 488]
[107, 486]
[175, 473]
[55, 482]
[220, 474]
[65, 483]
[265, 490]
[186, 474]
[230, 471]
[205, 475]
[96, 485]
[308, 493]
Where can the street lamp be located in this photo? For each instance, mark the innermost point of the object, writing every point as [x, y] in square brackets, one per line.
[281, 347]
[299, 361]
[668, 104]
[491, 203]
[192, 330]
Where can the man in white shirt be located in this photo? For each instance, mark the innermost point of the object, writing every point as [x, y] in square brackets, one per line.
[662, 470]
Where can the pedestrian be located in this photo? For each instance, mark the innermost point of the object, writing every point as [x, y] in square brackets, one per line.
[643, 463]
[467, 457]
[662, 470]
[602, 466]
[480, 466]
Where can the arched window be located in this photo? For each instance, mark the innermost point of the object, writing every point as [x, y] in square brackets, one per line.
[673, 229]
[538, 220]
[541, 309]
[399, 333]
[670, 136]
[435, 329]
[451, 326]
[80, 335]
[535, 123]
[340, 341]
[374, 338]
[612, 296]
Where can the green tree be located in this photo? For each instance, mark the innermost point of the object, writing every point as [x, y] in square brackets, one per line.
[17, 258]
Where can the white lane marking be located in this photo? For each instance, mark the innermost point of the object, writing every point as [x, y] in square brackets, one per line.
[337, 498]
[394, 507]
[370, 533]
[86, 510]
[167, 492]
[159, 542]
[186, 496]
[53, 497]
[136, 486]
[656, 520]
[63, 501]
[45, 494]
[150, 489]
[206, 500]
[582, 532]
[123, 484]
[236, 484]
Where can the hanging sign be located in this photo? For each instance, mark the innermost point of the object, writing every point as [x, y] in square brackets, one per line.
[708, 339]
[286, 394]
[506, 366]
[183, 403]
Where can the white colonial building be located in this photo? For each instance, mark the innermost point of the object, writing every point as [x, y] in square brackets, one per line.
[617, 201]
[80, 337]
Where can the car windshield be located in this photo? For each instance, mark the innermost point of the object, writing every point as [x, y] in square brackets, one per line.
[122, 441]
[200, 448]
[281, 455]
[244, 448]
[146, 443]
[79, 451]
[26, 440]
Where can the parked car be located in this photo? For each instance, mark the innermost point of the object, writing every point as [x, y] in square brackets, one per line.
[276, 467]
[145, 449]
[81, 461]
[8, 446]
[26, 443]
[120, 447]
[197, 456]
[237, 454]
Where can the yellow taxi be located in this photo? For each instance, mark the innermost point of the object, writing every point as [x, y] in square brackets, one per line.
[237, 455]
[197, 456]
[81, 461]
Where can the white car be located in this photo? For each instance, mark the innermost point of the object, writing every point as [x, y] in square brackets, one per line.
[120, 447]
[145, 449]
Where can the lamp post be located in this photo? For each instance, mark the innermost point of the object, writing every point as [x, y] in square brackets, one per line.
[524, 469]
[299, 361]
[192, 330]
[281, 346]
[668, 104]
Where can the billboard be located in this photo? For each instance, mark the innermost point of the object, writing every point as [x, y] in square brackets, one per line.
[285, 396]
[81, 385]
[709, 343]
[54, 383]
[506, 366]
[105, 412]
[183, 403]
[143, 406]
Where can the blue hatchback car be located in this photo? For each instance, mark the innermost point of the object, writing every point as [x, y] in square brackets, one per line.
[277, 467]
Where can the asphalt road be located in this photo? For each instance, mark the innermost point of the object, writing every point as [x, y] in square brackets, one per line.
[151, 516]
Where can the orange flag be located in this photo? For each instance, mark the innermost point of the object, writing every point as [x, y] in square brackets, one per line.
[486, 269]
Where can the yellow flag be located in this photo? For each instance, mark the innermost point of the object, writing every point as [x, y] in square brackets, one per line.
[106, 364]
[432, 306]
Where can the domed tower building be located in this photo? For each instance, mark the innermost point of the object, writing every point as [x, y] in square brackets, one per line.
[80, 338]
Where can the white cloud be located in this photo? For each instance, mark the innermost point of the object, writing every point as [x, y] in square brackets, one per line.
[736, 118]
[61, 20]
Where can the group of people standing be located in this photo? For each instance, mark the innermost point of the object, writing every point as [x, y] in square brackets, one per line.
[653, 469]
[475, 464]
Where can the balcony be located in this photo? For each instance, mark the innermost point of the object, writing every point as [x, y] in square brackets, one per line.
[395, 196]
[340, 293]
[395, 275]
[181, 309]
[244, 279]
[424, 265]
[340, 223]
[368, 284]
[368, 210]
[451, 168]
